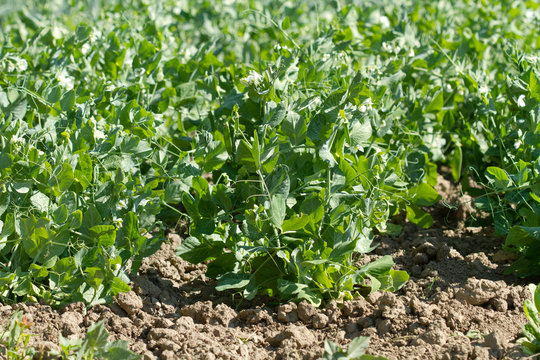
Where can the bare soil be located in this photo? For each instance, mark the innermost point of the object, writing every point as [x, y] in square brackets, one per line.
[456, 305]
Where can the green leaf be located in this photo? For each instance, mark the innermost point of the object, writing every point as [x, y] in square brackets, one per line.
[424, 195]
[534, 86]
[294, 126]
[278, 209]
[195, 251]
[498, 177]
[60, 215]
[291, 290]
[103, 235]
[84, 170]
[233, 281]
[244, 156]
[40, 201]
[436, 104]
[215, 157]
[189, 203]
[358, 347]
[419, 217]
[67, 102]
[295, 223]
[456, 162]
[118, 286]
[286, 23]
[359, 132]
[96, 338]
[61, 179]
[278, 181]
[22, 187]
[522, 236]
[90, 218]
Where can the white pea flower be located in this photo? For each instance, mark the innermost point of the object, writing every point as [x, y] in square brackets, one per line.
[411, 53]
[483, 90]
[521, 101]
[118, 221]
[10, 67]
[366, 105]
[121, 205]
[368, 102]
[15, 139]
[85, 49]
[94, 36]
[20, 65]
[448, 88]
[387, 47]
[98, 134]
[385, 23]
[65, 80]
[254, 78]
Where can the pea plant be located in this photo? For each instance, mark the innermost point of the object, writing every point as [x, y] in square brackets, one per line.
[286, 144]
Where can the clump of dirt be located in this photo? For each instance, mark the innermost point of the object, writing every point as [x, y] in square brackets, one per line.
[458, 304]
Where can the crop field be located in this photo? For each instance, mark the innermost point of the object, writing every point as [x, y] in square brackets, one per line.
[243, 179]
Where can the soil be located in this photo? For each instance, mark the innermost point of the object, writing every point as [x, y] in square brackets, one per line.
[456, 305]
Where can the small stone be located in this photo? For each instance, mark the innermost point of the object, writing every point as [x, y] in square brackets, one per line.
[163, 323]
[319, 321]
[456, 321]
[454, 254]
[71, 323]
[129, 302]
[435, 337]
[478, 292]
[351, 327]
[373, 298]
[255, 316]
[356, 307]
[333, 311]
[499, 304]
[306, 311]
[497, 344]
[420, 259]
[429, 249]
[148, 355]
[169, 355]
[443, 253]
[416, 270]
[480, 353]
[365, 322]
[388, 298]
[300, 335]
[428, 272]
[287, 313]
[384, 326]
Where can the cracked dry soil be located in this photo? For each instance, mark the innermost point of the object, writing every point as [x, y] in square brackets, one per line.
[456, 305]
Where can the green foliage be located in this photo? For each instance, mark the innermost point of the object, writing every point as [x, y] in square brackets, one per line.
[14, 343]
[95, 345]
[14, 339]
[356, 351]
[288, 143]
[531, 341]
